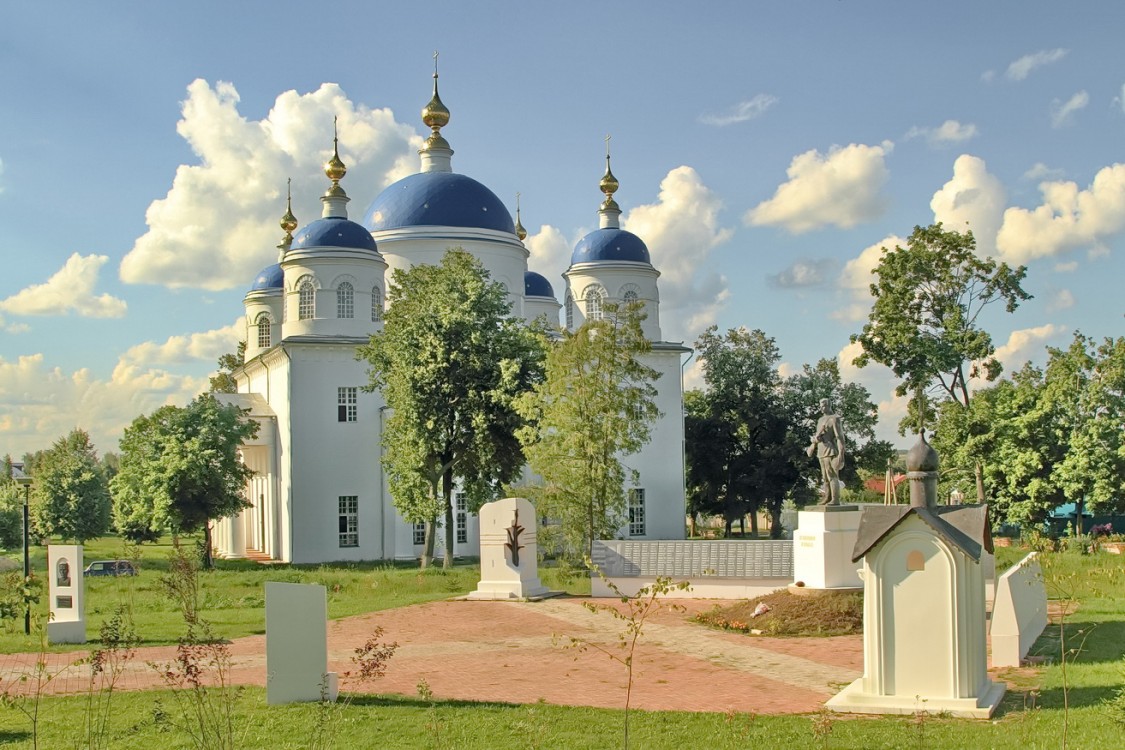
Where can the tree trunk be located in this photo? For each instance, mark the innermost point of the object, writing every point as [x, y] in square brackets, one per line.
[753, 523]
[208, 563]
[978, 470]
[427, 545]
[775, 521]
[447, 493]
[727, 530]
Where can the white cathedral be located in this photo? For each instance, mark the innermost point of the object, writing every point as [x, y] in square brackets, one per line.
[319, 493]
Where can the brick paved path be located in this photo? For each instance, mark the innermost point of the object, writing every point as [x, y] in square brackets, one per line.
[515, 652]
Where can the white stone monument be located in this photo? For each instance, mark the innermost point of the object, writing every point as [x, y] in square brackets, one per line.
[297, 644]
[67, 594]
[924, 646]
[822, 547]
[509, 559]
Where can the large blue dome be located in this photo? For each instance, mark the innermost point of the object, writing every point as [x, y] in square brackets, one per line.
[333, 231]
[610, 244]
[438, 199]
[536, 285]
[270, 277]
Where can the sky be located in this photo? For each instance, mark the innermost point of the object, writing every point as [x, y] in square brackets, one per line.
[766, 152]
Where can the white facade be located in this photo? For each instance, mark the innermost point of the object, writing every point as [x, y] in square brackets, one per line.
[320, 493]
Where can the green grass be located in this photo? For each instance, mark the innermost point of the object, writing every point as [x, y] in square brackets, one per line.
[399, 722]
[232, 596]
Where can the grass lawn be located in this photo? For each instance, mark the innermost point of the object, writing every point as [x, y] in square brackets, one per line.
[1031, 716]
[232, 596]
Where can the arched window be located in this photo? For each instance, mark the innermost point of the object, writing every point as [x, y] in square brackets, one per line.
[306, 299]
[630, 294]
[594, 298]
[569, 310]
[376, 304]
[265, 339]
[345, 300]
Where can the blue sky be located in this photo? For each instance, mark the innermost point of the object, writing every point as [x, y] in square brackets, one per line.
[765, 152]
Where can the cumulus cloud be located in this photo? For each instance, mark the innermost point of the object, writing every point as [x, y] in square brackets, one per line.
[1063, 112]
[1020, 69]
[856, 279]
[1040, 171]
[841, 188]
[1060, 300]
[206, 346]
[1069, 267]
[1026, 344]
[217, 226]
[804, 273]
[880, 382]
[39, 404]
[681, 229]
[550, 255]
[972, 199]
[1068, 219]
[740, 112]
[950, 131]
[69, 290]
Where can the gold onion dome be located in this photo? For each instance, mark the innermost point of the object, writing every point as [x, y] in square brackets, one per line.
[609, 185]
[334, 168]
[520, 231]
[435, 115]
[289, 221]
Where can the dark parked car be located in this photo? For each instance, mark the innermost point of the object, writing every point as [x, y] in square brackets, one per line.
[111, 568]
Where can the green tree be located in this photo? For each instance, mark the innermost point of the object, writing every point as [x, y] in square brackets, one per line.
[924, 324]
[180, 468]
[595, 408]
[450, 363]
[223, 381]
[70, 498]
[11, 515]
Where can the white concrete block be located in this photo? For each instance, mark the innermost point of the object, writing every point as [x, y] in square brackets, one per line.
[509, 557]
[67, 594]
[822, 548]
[296, 642]
[1019, 613]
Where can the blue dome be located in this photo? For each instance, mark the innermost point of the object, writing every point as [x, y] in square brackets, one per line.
[610, 244]
[438, 199]
[536, 285]
[269, 277]
[333, 231]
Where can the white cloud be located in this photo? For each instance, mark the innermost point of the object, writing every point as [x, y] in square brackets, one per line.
[39, 404]
[1068, 218]
[880, 383]
[217, 226]
[70, 289]
[950, 131]
[1062, 112]
[1022, 68]
[206, 346]
[972, 199]
[804, 273]
[1040, 171]
[681, 229]
[1061, 300]
[550, 255]
[740, 112]
[1068, 267]
[856, 279]
[841, 188]
[1026, 344]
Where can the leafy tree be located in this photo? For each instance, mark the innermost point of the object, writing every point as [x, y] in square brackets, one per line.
[924, 324]
[450, 363]
[11, 515]
[595, 408]
[223, 381]
[180, 468]
[740, 454]
[70, 498]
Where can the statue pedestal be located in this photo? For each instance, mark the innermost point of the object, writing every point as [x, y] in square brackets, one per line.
[509, 561]
[823, 545]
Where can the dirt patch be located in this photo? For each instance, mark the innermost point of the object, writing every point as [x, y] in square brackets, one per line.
[781, 614]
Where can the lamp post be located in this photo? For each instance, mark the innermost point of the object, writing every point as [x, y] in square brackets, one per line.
[25, 482]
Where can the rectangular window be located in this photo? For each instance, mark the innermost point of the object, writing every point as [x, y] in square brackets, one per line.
[419, 533]
[346, 404]
[349, 521]
[636, 512]
[461, 518]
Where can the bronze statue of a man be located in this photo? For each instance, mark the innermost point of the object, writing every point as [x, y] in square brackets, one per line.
[828, 446]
